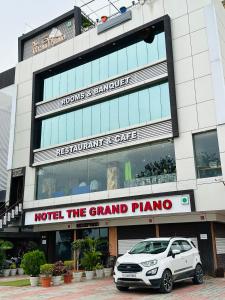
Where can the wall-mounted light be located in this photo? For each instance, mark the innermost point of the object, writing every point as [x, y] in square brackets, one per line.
[142, 2]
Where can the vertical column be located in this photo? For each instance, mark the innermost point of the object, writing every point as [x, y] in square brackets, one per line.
[213, 245]
[113, 241]
[157, 230]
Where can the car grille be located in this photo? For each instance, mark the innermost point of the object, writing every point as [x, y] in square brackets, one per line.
[130, 279]
[129, 268]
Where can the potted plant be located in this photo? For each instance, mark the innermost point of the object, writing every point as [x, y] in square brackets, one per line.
[6, 268]
[76, 247]
[46, 271]
[109, 266]
[68, 271]
[31, 263]
[13, 269]
[20, 270]
[99, 270]
[58, 271]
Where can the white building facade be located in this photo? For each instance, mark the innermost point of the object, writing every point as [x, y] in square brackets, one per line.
[119, 130]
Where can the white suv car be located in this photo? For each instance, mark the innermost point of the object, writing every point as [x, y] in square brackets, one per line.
[158, 263]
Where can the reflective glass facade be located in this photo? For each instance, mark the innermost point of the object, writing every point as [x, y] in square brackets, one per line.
[145, 165]
[116, 63]
[136, 108]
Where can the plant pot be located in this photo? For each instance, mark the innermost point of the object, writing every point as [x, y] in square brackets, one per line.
[56, 280]
[34, 281]
[100, 273]
[77, 276]
[6, 272]
[107, 272]
[68, 278]
[46, 281]
[20, 271]
[13, 272]
[89, 275]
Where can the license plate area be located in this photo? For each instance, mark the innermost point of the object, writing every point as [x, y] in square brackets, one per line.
[128, 275]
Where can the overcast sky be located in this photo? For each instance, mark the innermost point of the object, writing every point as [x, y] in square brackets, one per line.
[20, 16]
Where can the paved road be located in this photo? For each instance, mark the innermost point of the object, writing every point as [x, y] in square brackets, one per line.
[104, 289]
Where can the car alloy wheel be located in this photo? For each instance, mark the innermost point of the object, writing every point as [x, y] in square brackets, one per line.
[166, 282]
[198, 278]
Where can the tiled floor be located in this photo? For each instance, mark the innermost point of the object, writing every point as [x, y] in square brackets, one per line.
[104, 289]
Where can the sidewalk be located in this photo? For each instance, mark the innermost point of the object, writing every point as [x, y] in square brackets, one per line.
[213, 288]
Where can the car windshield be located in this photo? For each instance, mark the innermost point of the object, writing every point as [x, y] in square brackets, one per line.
[150, 247]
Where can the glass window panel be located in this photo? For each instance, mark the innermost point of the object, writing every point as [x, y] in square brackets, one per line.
[78, 182]
[97, 168]
[78, 124]
[79, 77]
[144, 106]
[47, 132]
[153, 54]
[96, 119]
[133, 108]
[70, 126]
[122, 61]
[48, 88]
[142, 56]
[71, 80]
[113, 64]
[62, 128]
[165, 100]
[87, 121]
[123, 111]
[104, 67]
[55, 85]
[207, 157]
[105, 116]
[114, 114]
[155, 103]
[42, 134]
[55, 131]
[87, 74]
[132, 56]
[95, 65]
[161, 45]
[63, 88]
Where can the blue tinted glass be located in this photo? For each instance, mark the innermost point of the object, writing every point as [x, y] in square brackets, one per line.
[153, 54]
[95, 64]
[144, 107]
[104, 68]
[155, 103]
[55, 85]
[113, 64]
[70, 132]
[165, 100]
[48, 88]
[63, 89]
[79, 77]
[122, 61]
[161, 45]
[55, 131]
[132, 56]
[133, 108]
[142, 55]
[42, 134]
[105, 116]
[71, 80]
[62, 128]
[123, 112]
[87, 74]
[114, 114]
[96, 119]
[47, 132]
[78, 124]
[87, 121]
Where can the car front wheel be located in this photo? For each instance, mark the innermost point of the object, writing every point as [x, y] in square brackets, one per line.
[198, 277]
[122, 288]
[166, 285]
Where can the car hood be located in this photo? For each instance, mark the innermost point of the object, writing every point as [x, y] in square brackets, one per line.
[139, 258]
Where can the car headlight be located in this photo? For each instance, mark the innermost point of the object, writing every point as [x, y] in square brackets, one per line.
[149, 263]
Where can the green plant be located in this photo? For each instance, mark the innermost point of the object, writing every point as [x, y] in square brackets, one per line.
[99, 266]
[77, 245]
[13, 266]
[32, 261]
[90, 259]
[58, 268]
[46, 269]
[68, 265]
[5, 245]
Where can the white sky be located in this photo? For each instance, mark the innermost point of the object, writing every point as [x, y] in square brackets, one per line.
[20, 16]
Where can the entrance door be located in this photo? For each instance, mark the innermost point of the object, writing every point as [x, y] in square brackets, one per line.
[63, 240]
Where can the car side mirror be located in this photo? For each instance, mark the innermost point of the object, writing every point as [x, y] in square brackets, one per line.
[175, 252]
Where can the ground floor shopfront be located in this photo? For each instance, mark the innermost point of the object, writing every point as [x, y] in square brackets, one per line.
[122, 222]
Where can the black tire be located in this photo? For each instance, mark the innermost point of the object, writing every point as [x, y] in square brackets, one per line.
[122, 288]
[166, 284]
[198, 277]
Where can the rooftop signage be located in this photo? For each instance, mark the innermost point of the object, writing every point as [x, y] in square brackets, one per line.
[114, 209]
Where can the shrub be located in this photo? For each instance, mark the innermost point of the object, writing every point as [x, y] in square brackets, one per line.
[99, 266]
[58, 268]
[13, 266]
[90, 259]
[32, 261]
[46, 269]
